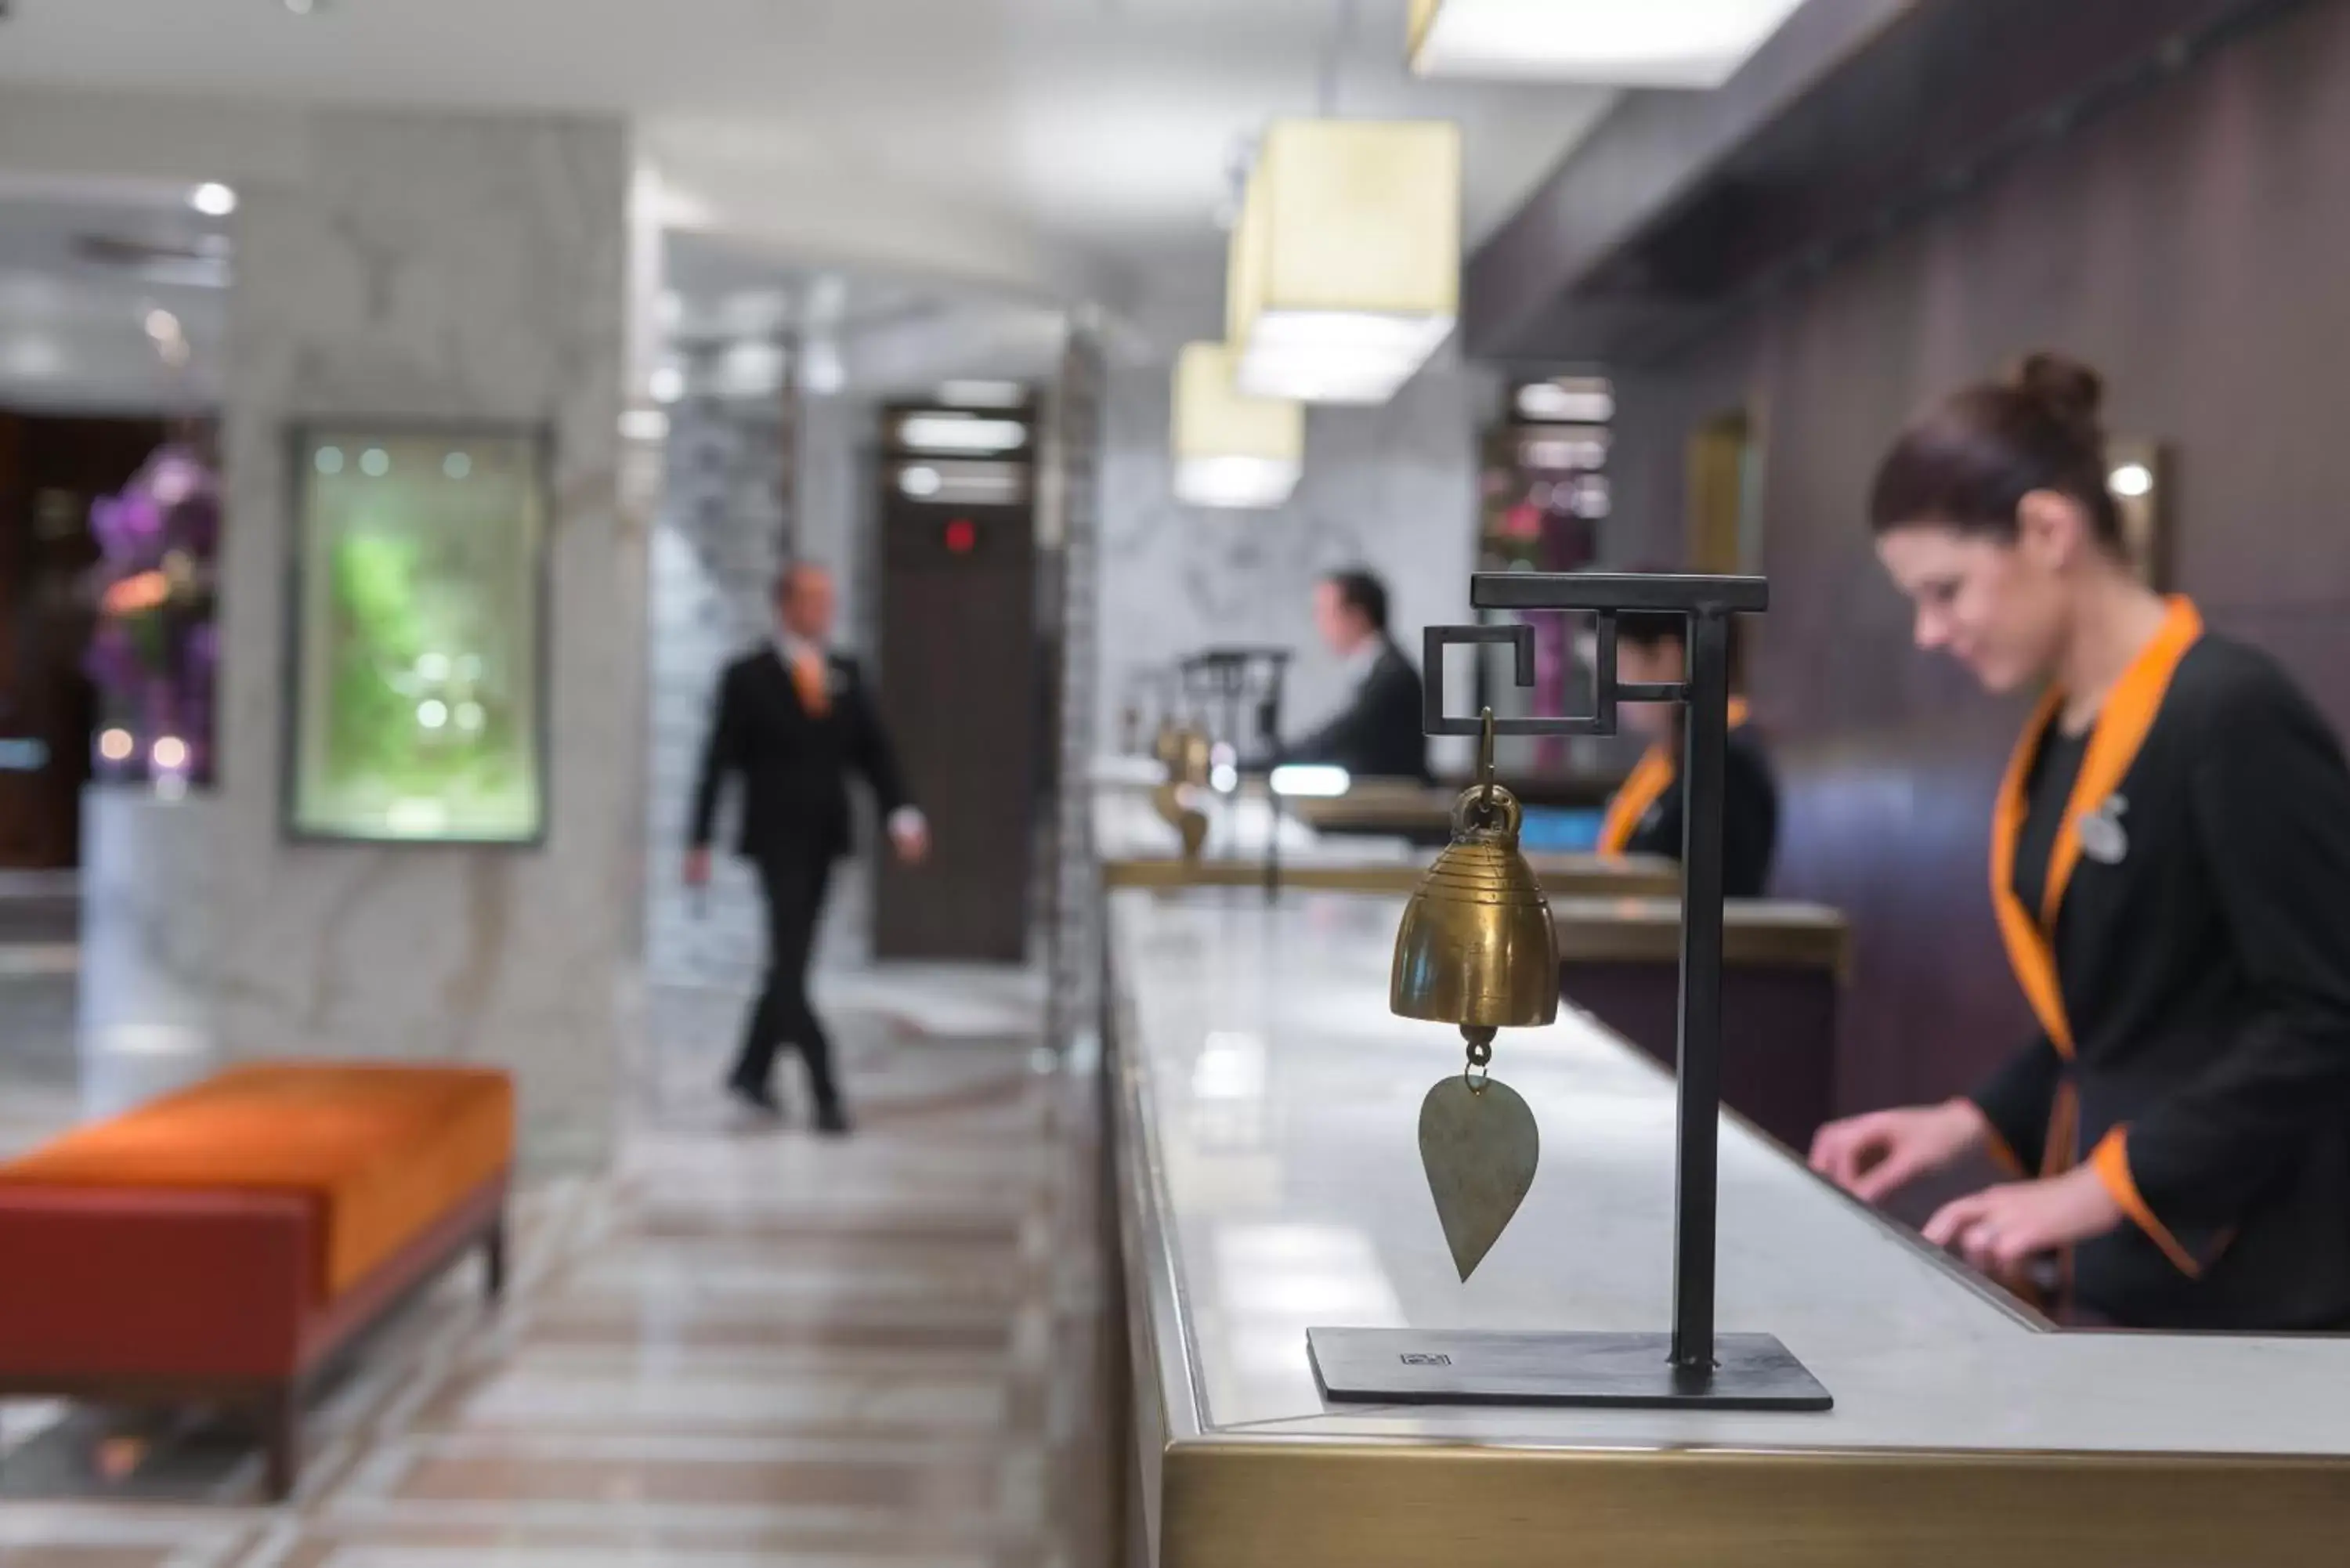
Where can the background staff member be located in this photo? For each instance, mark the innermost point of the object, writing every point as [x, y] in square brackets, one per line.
[1645, 817]
[793, 719]
[1378, 735]
[2171, 870]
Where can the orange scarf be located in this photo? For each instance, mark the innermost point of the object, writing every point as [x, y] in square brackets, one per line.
[1647, 785]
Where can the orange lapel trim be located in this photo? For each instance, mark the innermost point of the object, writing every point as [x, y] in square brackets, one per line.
[2129, 713]
[1645, 785]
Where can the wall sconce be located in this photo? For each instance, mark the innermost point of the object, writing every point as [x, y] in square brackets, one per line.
[2136, 473]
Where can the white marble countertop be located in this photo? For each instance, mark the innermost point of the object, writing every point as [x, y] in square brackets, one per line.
[1240, 826]
[1270, 1104]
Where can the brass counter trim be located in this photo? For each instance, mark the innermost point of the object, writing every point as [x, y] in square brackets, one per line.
[1605, 911]
[1155, 1291]
[1271, 1503]
[1755, 933]
[1403, 806]
[1561, 876]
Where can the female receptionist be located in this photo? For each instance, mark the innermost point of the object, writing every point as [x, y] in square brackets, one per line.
[1645, 817]
[2170, 867]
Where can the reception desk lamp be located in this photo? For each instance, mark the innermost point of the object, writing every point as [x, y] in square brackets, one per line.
[1475, 950]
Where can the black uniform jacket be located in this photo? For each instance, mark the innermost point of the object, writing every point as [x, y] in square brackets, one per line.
[1379, 735]
[2174, 891]
[795, 764]
[1645, 817]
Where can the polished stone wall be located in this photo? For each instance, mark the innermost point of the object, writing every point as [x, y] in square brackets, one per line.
[149, 942]
[441, 267]
[1392, 488]
[2185, 244]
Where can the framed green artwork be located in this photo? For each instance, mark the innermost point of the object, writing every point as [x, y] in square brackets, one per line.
[417, 638]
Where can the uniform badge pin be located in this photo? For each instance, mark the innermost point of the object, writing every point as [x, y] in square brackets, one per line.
[2102, 838]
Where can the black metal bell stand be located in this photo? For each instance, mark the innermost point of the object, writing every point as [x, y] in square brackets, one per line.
[1693, 1365]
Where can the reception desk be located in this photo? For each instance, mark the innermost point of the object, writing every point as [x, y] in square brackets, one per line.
[1402, 809]
[1136, 848]
[1783, 979]
[1618, 924]
[1263, 1105]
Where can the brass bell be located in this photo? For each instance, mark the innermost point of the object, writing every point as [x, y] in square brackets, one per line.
[1189, 821]
[1476, 948]
[1185, 754]
[1198, 758]
[1167, 746]
[1477, 951]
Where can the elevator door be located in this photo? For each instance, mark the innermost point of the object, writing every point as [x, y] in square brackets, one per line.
[959, 686]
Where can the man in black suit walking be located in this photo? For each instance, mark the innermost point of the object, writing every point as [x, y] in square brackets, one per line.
[1378, 735]
[793, 720]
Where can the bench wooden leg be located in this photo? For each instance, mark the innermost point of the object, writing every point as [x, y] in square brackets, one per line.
[494, 1259]
[282, 1440]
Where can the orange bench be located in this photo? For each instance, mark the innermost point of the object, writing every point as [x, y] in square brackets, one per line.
[225, 1244]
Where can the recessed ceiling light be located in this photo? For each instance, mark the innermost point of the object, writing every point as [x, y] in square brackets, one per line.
[953, 432]
[212, 199]
[303, 7]
[984, 394]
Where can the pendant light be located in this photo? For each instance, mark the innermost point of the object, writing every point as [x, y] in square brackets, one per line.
[1687, 43]
[1231, 449]
[1345, 273]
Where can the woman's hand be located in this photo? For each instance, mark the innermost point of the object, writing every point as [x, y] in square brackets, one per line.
[1872, 1155]
[1998, 1229]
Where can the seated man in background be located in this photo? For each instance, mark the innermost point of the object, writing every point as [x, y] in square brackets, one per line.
[1378, 735]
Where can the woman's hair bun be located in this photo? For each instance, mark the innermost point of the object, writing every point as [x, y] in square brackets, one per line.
[2064, 387]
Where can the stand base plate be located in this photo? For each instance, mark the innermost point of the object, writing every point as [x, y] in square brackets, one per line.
[1630, 1371]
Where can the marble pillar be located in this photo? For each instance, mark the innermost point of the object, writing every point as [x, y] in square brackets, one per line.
[441, 266]
[150, 936]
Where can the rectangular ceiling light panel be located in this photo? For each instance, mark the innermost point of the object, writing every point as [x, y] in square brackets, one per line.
[1346, 266]
[1231, 448]
[1618, 42]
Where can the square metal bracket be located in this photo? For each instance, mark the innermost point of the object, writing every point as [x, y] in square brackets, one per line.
[1603, 595]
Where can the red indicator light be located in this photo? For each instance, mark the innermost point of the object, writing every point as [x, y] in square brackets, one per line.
[963, 536]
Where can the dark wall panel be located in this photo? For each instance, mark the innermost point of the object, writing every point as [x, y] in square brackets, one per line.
[2192, 244]
[51, 469]
[959, 690]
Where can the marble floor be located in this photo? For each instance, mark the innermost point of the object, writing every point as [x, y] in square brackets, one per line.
[741, 1346]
